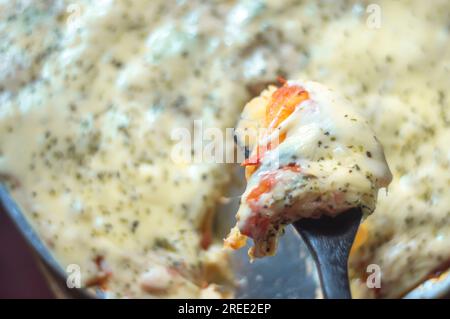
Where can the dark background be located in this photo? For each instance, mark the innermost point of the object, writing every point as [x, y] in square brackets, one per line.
[19, 274]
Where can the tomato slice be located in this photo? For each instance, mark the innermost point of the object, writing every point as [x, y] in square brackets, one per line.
[268, 182]
[283, 103]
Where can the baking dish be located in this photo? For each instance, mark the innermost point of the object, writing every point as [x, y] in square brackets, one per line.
[289, 275]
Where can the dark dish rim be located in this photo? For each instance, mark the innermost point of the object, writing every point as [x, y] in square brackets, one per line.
[38, 247]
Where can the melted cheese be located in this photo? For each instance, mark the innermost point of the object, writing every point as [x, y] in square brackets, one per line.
[89, 94]
[328, 162]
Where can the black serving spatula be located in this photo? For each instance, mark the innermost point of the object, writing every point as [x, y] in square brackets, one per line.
[329, 240]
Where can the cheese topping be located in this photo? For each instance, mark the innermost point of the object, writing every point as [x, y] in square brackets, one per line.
[90, 91]
[325, 160]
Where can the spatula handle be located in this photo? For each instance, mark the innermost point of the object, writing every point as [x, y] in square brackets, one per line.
[329, 240]
[331, 267]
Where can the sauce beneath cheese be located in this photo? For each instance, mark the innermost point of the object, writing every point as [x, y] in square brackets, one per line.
[90, 91]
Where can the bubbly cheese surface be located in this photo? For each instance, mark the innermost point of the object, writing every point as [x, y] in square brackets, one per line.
[90, 90]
